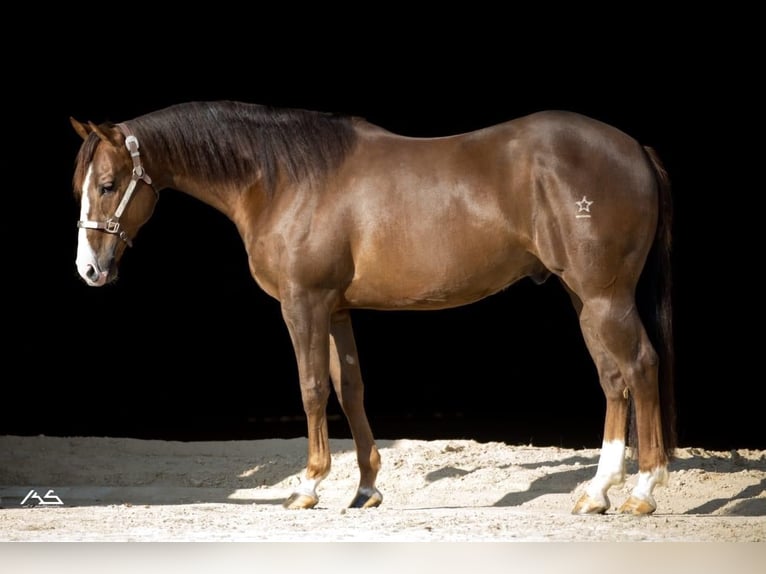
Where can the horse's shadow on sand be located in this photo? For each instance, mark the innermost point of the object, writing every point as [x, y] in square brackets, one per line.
[561, 482]
[262, 471]
[562, 479]
[748, 502]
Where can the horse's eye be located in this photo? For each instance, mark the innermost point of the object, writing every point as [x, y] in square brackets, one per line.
[106, 188]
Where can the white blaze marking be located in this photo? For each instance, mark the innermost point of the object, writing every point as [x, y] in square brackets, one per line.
[611, 469]
[350, 360]
[86, 258]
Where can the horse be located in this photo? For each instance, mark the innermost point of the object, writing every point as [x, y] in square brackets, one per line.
[337, 213]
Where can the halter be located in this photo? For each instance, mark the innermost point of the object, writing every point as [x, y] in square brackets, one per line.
[112, 224]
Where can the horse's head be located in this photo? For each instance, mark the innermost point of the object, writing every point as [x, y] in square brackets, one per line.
[116, 198]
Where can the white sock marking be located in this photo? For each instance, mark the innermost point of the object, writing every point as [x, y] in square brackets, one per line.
[647, 480]
[611, 470]
[308, 486]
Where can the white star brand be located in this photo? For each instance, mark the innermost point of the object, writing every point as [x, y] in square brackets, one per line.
[583, 208]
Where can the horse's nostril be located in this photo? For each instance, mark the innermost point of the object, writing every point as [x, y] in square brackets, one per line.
[91, 273]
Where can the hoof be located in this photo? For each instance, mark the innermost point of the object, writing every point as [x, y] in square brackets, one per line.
[300, 501]
[589, 505]
[367, 499]
[637, 507]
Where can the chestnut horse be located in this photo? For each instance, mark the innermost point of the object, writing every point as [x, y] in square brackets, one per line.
[336, 213]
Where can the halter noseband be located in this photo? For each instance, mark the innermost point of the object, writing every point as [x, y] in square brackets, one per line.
[112, 224]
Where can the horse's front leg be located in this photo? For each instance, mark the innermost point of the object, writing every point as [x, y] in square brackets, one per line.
[347, 380]
[307, 317]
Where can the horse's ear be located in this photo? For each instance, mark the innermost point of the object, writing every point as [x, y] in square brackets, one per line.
[81, 129]
[84, 130]
[95, 129]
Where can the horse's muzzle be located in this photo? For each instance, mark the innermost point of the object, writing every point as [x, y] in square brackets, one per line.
[94, 277]
[98, 274]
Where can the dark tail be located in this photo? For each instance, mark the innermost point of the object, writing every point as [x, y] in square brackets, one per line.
[659, 319]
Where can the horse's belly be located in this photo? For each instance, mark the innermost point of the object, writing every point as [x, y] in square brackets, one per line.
[437, 279]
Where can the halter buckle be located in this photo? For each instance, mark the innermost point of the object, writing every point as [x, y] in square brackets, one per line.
[131, 142]
[112, 226]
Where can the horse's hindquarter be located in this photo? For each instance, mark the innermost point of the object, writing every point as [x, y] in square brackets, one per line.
[594, 201]
[431, 223]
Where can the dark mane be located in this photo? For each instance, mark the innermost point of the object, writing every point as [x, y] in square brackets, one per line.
[234, 142]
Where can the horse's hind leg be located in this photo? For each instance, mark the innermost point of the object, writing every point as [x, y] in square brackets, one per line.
[347, 380]
[627, 363]
[611, 464]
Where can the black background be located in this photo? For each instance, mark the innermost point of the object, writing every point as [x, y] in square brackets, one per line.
[186, 346]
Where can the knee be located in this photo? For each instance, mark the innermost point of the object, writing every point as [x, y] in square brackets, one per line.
[314, 394]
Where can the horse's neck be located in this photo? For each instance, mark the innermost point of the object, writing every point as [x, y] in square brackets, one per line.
[170, 173]
[217, 196]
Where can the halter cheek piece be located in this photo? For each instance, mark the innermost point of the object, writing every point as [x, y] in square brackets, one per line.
[112, 224]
